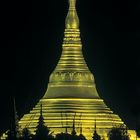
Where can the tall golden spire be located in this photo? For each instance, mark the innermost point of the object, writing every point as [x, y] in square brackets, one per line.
[71, 89]
[72, 57]
[71, 77]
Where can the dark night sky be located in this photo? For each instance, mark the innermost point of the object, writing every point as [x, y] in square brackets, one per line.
[32, 34]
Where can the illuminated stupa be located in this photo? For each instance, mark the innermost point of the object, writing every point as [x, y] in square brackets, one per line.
[72, 92]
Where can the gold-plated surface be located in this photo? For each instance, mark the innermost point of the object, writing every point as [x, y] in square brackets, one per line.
[71, 77]
[72, 20]
[71, 90]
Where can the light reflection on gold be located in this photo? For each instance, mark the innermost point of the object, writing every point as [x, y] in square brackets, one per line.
[72, 89]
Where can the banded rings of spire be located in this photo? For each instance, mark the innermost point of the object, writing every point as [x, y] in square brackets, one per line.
[71, 77]
[72, 66]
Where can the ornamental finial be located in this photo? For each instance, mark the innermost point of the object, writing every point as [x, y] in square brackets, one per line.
[72, 4]
[72, 20]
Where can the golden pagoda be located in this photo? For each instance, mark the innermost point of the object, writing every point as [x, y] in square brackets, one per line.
[72, 93]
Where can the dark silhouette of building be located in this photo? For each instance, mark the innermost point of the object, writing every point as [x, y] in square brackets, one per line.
[14, 133]
[95, 134]
[42, 131]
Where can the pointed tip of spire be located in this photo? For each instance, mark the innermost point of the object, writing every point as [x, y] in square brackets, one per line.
[95, 124]
[41, 109]
[72, 20]
[41, 118]
[73, 127]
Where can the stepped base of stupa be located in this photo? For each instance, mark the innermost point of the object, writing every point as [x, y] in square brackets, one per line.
[59, 114]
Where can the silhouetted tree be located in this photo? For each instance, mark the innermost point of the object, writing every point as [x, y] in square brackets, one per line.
[118, 133]
[26, 135]
[82, 137]
[10, 135]
[63, 136]
[66, 136]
